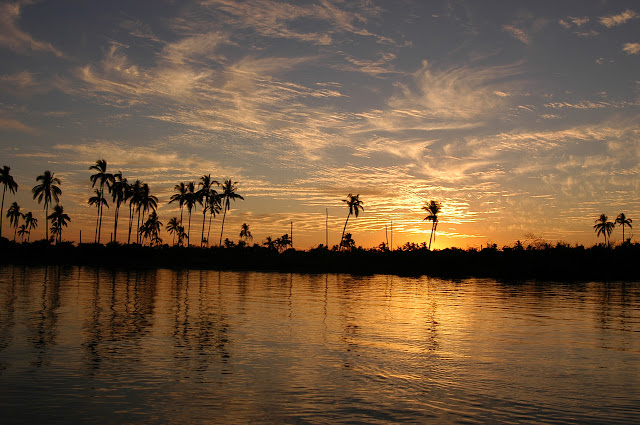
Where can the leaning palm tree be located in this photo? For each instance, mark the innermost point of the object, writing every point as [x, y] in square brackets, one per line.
[14, 215]
[119, 191]
[58, 220]
[31, 222]
[623, 221]
[245, 233]
[355, 206]
[103, 178]
[603, 227]
[7, 181]
[228, 194]
[99, 201]
[45, 191]
[433, 208]
[180, 196]
[172, 227]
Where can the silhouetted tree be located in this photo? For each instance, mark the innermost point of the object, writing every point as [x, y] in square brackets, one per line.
[102, 178]
[119, 192]
[190, 201]
[215, 205]
[283, 242]
[355, 205]
[204, 193]
[228, 194]
[151, 229]
[603, 227]
[7, 182]
[172, 227]
[245, 233]
[623, 221]
[31, 222]
[14, 215]
[146, 201]
[180, 196]
[432, 208]
[22, 230]
[58, 220]
[270, 243]
[347, 242]
[97, 200]
[133, 196]
[45, 191]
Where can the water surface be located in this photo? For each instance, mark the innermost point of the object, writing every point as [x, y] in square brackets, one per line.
[92, 345]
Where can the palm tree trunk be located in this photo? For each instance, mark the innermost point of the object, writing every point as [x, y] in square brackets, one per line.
[431, 236]
[115, 226]
[209, 229]
[2, 209]
[189, 234]
[95, 236]
[343, 230]
[222, 230]
[46, 221]
[130, 223]
[138, 228]
[204, 218]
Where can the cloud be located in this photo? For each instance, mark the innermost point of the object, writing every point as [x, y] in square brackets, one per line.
[12, 37]
[619, 19]
[11, 124]
[518, 33]
[631, 48]
[23, 83]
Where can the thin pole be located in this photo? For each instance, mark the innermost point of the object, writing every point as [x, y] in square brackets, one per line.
[292, 234]
[391, 235]
[326, 228]
[386, 235]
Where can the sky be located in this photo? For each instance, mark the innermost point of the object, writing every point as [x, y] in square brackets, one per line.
[520, 117]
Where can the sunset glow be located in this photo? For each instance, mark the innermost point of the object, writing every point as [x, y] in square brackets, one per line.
[518, 117]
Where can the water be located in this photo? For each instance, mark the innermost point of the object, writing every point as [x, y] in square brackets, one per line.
[87, 345]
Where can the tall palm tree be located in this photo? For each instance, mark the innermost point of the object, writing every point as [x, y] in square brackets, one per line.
[205, 184]
[99, 201]
[8, 183]
[172, 227]
[622, 220]
[31, 222]
[133, 195]
[228, 194]
[58, 220]
[191, 198]
[23, 230]
[180, 196]
[432, 208]
[215, 205]
[14, 215]
[45, 191]
[119, 191]
[355, 206]
[147, 202]
[103, 178]
[245, 233]
[603, 227]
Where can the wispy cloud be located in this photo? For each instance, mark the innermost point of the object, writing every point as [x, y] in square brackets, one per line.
[12, 124]
[12, 37]
[517, 33]
[611, 21]
[631, 48]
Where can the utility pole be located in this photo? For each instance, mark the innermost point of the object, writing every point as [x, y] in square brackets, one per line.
[292, 234]
[326, 228]
[391, 235]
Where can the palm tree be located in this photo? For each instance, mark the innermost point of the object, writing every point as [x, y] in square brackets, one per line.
[245, 233]
[133, 195]
[215, 205]
[283, 242]
[58, 220]
[433, 208]
[228, 194]
[31, 222]
[103, 178]
[355, 205]
[172, 227]
[23, 231]
[119, 192]
[348, 242]
[146, 201]
[151, 229]
[14, 215]
[180, 196]
[97, 200]
[45, 191]
[7, 181]
[603, 227]
[191, 198]
[622, 220]
[269, 243]
[204, 195]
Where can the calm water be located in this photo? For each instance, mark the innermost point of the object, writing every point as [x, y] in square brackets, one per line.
[86, 345]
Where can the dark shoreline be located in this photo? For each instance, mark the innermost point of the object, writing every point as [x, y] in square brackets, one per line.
[556, 263]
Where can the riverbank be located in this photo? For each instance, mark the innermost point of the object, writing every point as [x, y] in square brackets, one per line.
[549, 263]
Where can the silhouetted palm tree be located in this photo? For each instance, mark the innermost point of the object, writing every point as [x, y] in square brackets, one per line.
[433, 208]
[23, 231]
[603, 227]
[119, 191]
[269, 243]
[146, 201]
[133, 196]
[45, 191]
[191, 198]
[228, 194]
[31, 222]
[151, 229]
[14, 215]
[623, 221]
[355, 205]
[58, 220]
[103, 178]
[215, 205]
[245, 233]
[180, 196]
[172, 227]
[348, 242]
[205, 185]
[8, 183]
[283, 242]
[97, 200]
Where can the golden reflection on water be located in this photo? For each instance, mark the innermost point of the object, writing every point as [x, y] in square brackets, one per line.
[194, 346]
